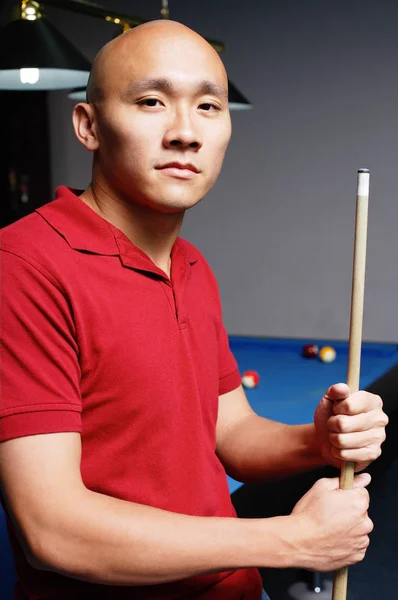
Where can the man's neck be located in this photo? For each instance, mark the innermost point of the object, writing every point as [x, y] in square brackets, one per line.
[153, 232]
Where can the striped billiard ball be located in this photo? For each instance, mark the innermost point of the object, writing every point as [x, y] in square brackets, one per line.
[327, 354]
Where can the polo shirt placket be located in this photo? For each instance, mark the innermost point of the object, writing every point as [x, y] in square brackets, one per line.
[173, 287]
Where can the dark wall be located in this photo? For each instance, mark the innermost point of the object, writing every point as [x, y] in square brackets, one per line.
[25, 164]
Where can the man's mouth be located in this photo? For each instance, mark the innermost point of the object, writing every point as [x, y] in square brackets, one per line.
[179, 170]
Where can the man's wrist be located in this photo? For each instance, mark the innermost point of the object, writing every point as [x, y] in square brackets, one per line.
[276, 542]
[309, 445]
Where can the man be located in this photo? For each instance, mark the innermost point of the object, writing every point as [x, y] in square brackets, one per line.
[122, 403]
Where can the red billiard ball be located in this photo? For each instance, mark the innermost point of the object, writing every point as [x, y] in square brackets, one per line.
[310, 351]
[250, 379]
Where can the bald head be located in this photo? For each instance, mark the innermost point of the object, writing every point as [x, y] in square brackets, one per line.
[157, 94]
[118, 60]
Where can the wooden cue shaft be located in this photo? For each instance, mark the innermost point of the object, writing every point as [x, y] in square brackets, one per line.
[354, 351]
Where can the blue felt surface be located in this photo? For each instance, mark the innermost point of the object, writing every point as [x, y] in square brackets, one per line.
[291, 385]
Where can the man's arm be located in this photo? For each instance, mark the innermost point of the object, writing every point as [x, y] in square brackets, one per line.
[346, 427]
[66, 528]
[74, 531]
[87, 535]
[252, 448]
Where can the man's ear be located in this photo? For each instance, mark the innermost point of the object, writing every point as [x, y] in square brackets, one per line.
[84, 126]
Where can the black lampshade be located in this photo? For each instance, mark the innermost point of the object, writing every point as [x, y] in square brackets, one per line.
[237, 100]
[38, 45]
[78, 94]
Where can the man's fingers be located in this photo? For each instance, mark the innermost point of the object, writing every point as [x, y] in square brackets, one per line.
[338, 391]
[333, 483]
[362, 480]
[357, 403]
[347, 403]
[343, 423]
[358, 439]
[359, 456]
[328, 483]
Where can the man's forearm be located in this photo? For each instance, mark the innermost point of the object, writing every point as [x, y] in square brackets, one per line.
[257, 449]
[109, 541]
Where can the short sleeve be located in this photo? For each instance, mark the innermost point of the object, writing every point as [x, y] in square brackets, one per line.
[39, 370]
[229, 374]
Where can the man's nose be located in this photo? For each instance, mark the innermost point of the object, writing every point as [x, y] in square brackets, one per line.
[183, 132]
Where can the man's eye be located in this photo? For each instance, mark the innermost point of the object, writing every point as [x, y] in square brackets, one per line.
[207, 106]
[149, 102]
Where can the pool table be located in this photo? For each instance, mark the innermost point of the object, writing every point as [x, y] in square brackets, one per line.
[291, 385]
[289, 390]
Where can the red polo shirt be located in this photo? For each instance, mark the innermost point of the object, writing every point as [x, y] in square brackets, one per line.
[98, 340]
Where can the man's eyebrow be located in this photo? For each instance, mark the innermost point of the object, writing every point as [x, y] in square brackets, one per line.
[164, 84]
[214, 89]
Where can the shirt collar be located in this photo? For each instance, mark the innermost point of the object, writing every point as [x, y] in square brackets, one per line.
[85, 230]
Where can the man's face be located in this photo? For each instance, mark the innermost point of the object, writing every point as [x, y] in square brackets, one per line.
[165, 107]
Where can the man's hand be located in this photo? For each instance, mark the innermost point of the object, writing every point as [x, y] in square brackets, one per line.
[332, 525]
[350, 427]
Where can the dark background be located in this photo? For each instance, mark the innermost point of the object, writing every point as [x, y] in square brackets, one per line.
[25, 164]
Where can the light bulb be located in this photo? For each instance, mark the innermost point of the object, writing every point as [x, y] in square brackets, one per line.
[30, 10]
[29, 75]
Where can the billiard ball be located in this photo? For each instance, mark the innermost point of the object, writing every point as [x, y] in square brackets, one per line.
[310, 351]
[250, 379]
[327, 354]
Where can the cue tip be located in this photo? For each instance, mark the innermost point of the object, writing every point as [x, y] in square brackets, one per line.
[363, 170]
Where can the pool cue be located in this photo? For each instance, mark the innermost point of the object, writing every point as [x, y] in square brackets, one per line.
[354, 350]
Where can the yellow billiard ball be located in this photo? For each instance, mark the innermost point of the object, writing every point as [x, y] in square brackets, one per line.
[327, 354]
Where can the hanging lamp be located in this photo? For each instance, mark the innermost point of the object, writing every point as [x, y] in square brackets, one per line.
[34, 55]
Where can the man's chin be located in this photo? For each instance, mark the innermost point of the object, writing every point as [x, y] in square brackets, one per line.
[175, 205]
